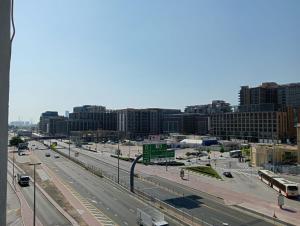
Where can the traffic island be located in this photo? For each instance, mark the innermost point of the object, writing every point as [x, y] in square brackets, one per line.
[204, 170]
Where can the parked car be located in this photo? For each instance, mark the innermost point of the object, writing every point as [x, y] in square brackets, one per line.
[56, 156]
[47, 154]
[228, 174]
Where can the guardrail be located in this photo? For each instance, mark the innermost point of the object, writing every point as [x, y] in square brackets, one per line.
[181, 216]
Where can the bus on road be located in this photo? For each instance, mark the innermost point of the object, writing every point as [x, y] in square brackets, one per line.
[287, 188]
[235, 154]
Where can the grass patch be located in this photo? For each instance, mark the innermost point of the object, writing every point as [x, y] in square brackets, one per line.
[206, 170]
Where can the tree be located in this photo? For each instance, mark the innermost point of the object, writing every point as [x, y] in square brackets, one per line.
[15, 141]
[222, 149]
[53, 147]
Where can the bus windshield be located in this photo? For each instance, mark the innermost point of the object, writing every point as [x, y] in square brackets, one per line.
[292, 188]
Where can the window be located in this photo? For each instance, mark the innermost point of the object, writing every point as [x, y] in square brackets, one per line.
[292, 188]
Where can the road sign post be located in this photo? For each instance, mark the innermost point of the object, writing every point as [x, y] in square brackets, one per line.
[157, 153]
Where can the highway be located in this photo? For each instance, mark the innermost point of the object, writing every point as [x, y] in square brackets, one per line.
[118, 205]
[45, 211]
[200, 205]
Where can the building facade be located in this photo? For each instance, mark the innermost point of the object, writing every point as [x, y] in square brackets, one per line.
[44, 120]
[252, 126]
[140, 123]
[289, 95]
[263, 94]
[186, 123]
[298, 141]
[262, 154]
[92, 118]
[216, 107]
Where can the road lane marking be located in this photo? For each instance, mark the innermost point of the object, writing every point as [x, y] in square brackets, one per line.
[97, 213]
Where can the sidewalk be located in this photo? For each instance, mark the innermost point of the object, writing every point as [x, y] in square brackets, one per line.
[16, 199]
[230, 198]
[13, 208]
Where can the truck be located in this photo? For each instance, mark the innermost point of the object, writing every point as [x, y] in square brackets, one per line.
[150, 217]
[23, 180]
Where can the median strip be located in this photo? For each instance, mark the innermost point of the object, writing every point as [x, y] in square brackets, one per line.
[204, 170]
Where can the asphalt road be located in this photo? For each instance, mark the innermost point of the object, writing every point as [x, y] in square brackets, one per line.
[45, 211]
[200, 205]
[114, 203]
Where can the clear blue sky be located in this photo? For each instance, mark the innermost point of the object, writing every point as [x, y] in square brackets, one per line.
[157, 53]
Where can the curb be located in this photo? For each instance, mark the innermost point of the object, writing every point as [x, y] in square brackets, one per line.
[52, 201]
[11, 185]
[24, 205]
[205, 175]
[243, 209]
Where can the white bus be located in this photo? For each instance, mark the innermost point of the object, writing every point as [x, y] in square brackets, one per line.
[288, 188]
[235, 154]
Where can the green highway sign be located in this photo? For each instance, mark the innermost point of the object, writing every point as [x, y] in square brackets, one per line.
[157, 153]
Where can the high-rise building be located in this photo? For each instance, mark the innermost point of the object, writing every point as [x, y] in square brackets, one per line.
[289, 95]
[44, 120]
[261, 98]
[53, 124]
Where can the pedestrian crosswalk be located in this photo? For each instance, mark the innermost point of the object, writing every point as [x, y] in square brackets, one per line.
[99, 215]
[244, 171]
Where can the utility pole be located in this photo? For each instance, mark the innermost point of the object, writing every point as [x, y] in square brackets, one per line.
[14, 166]
[118, 157]
[5, 53]
[34, 164]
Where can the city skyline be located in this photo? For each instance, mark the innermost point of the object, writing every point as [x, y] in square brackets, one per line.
[158, 54]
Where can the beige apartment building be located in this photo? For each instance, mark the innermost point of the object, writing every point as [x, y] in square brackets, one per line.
[274, 154]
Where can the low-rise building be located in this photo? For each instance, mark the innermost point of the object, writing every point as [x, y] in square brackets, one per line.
[262, 154]
[186, 123]
[140, 123]
[92, 118]
[252, 126]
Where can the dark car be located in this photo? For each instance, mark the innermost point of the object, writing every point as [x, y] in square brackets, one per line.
[228, 174]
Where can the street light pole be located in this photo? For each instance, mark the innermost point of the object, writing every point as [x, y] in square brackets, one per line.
[118, 157]
[69, 147]
[34, 164]
[14, 166]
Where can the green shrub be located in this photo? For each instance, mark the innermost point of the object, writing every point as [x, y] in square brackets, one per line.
[207, 170]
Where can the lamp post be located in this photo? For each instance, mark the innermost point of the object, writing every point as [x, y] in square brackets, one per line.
[118, 157]
[69, 147]
[69, 141]
[14, 166]
[34, 164]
